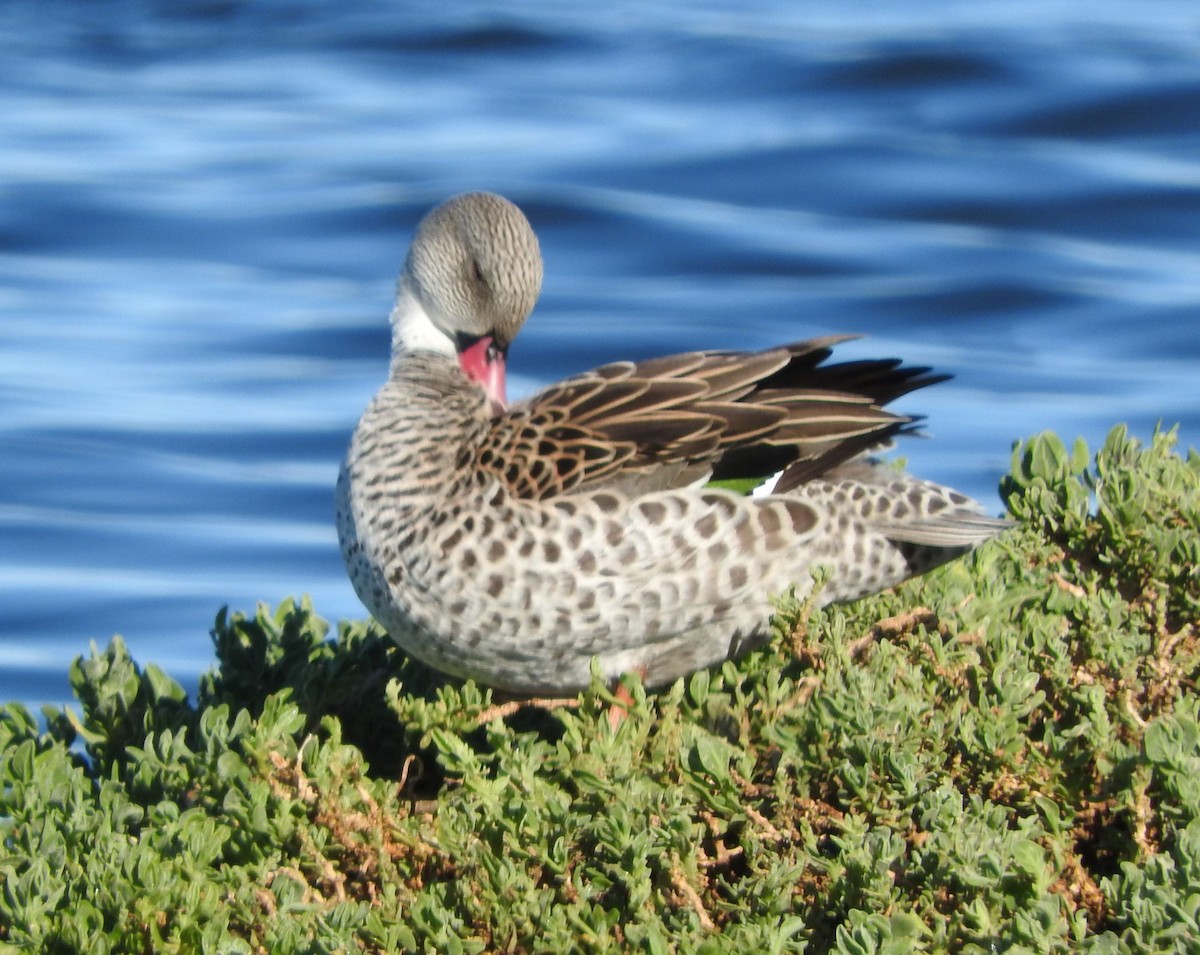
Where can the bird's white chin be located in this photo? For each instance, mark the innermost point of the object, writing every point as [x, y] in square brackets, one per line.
[414, 330]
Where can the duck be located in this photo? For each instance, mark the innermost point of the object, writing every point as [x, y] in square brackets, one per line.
[521, 545]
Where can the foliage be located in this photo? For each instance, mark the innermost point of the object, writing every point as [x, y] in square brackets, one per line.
[1003, 756]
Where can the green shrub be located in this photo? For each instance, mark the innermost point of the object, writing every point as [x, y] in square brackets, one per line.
[1003, 756]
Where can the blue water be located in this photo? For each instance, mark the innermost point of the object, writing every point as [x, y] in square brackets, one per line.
[203, 206]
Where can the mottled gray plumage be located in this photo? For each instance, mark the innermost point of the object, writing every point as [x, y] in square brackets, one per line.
[512, 545]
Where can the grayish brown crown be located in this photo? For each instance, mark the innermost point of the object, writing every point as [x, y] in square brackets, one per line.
[475, 267]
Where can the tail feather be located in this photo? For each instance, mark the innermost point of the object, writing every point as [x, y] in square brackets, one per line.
[962, 529]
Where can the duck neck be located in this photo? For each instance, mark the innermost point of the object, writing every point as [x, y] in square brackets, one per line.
[413, 329]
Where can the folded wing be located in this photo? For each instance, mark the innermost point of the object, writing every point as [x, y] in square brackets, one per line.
[670, 422]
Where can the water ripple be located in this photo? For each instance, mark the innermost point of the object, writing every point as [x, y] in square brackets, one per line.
[205, 204]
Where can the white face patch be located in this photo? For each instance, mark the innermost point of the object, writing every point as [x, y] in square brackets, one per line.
[414, 330]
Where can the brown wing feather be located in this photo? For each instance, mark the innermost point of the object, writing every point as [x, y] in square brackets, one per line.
[538, 453]
[670, 421]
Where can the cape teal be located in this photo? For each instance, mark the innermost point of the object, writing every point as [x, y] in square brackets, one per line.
[514, 543]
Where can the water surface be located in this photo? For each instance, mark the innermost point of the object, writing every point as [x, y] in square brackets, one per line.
[203, 206]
